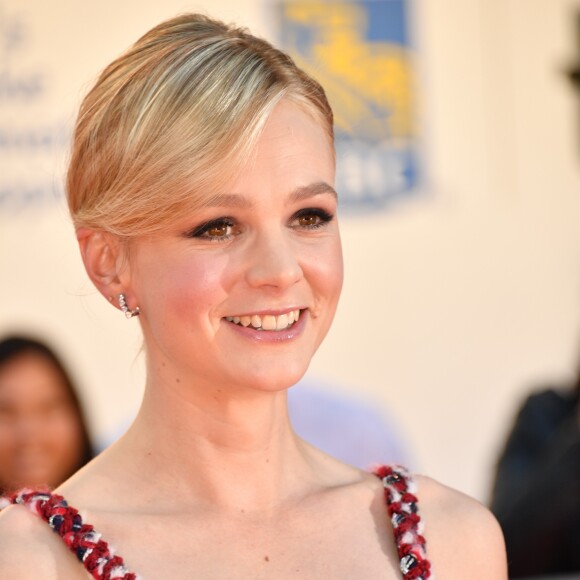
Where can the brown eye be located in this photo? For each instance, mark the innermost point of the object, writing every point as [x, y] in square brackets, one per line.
[215, 230]
[311, 219]
[218, 231]
[308, 220]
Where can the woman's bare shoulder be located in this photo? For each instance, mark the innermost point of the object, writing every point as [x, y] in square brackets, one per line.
[464, 539]
[29, 549]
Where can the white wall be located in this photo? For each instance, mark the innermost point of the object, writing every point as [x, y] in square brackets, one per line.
[454, 305]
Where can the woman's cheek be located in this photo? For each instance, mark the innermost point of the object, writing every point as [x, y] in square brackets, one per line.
[329, 269]
[199, 283]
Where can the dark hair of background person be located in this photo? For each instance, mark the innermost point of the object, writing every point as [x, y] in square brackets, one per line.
[536, 492]
[15, 346]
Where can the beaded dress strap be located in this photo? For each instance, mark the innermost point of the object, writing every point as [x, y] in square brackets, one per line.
[81, 538]
[407, 525]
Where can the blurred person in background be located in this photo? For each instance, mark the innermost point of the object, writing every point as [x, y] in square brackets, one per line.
[43, 435]
[536, 494]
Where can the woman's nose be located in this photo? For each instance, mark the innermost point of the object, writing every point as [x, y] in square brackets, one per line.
[273, 262]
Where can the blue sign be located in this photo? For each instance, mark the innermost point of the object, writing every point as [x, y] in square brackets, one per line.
[360, 52]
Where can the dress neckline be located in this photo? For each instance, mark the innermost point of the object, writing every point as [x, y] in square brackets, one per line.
[102, 563]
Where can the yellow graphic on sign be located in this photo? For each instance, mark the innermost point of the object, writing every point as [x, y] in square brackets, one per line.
[369, 83]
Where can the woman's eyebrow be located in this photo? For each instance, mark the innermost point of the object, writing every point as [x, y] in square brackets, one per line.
[301, 193]
[308, 191]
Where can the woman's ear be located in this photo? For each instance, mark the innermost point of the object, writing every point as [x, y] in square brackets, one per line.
[103, 257]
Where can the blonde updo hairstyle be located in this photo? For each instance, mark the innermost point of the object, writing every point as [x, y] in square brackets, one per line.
[171, 121]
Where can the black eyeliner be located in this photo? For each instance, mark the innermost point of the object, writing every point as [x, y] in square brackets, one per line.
[317, 211]
[199, 230]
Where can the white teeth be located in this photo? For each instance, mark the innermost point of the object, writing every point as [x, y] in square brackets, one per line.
[268, 321]
[282, 322]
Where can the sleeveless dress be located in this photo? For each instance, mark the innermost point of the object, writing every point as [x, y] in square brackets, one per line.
[98, 559]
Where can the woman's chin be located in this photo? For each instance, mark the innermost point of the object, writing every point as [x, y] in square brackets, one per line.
[272, 380]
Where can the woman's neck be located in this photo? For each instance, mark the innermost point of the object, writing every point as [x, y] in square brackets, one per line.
[235, 450]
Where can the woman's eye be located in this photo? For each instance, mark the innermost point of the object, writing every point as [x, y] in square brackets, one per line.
[218, 229]
[311, 219]
[308, 221]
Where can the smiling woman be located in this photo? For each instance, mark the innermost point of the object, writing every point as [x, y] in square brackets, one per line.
[201, 186]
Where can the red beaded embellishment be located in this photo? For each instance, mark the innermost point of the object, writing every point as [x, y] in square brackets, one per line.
[81, 538]
[97, 558]
[402, 506]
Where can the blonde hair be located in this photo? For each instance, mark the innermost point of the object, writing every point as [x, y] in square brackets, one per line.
[172, 119]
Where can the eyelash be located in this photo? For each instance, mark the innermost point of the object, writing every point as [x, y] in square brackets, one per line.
[202, 230]
[323, 217]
